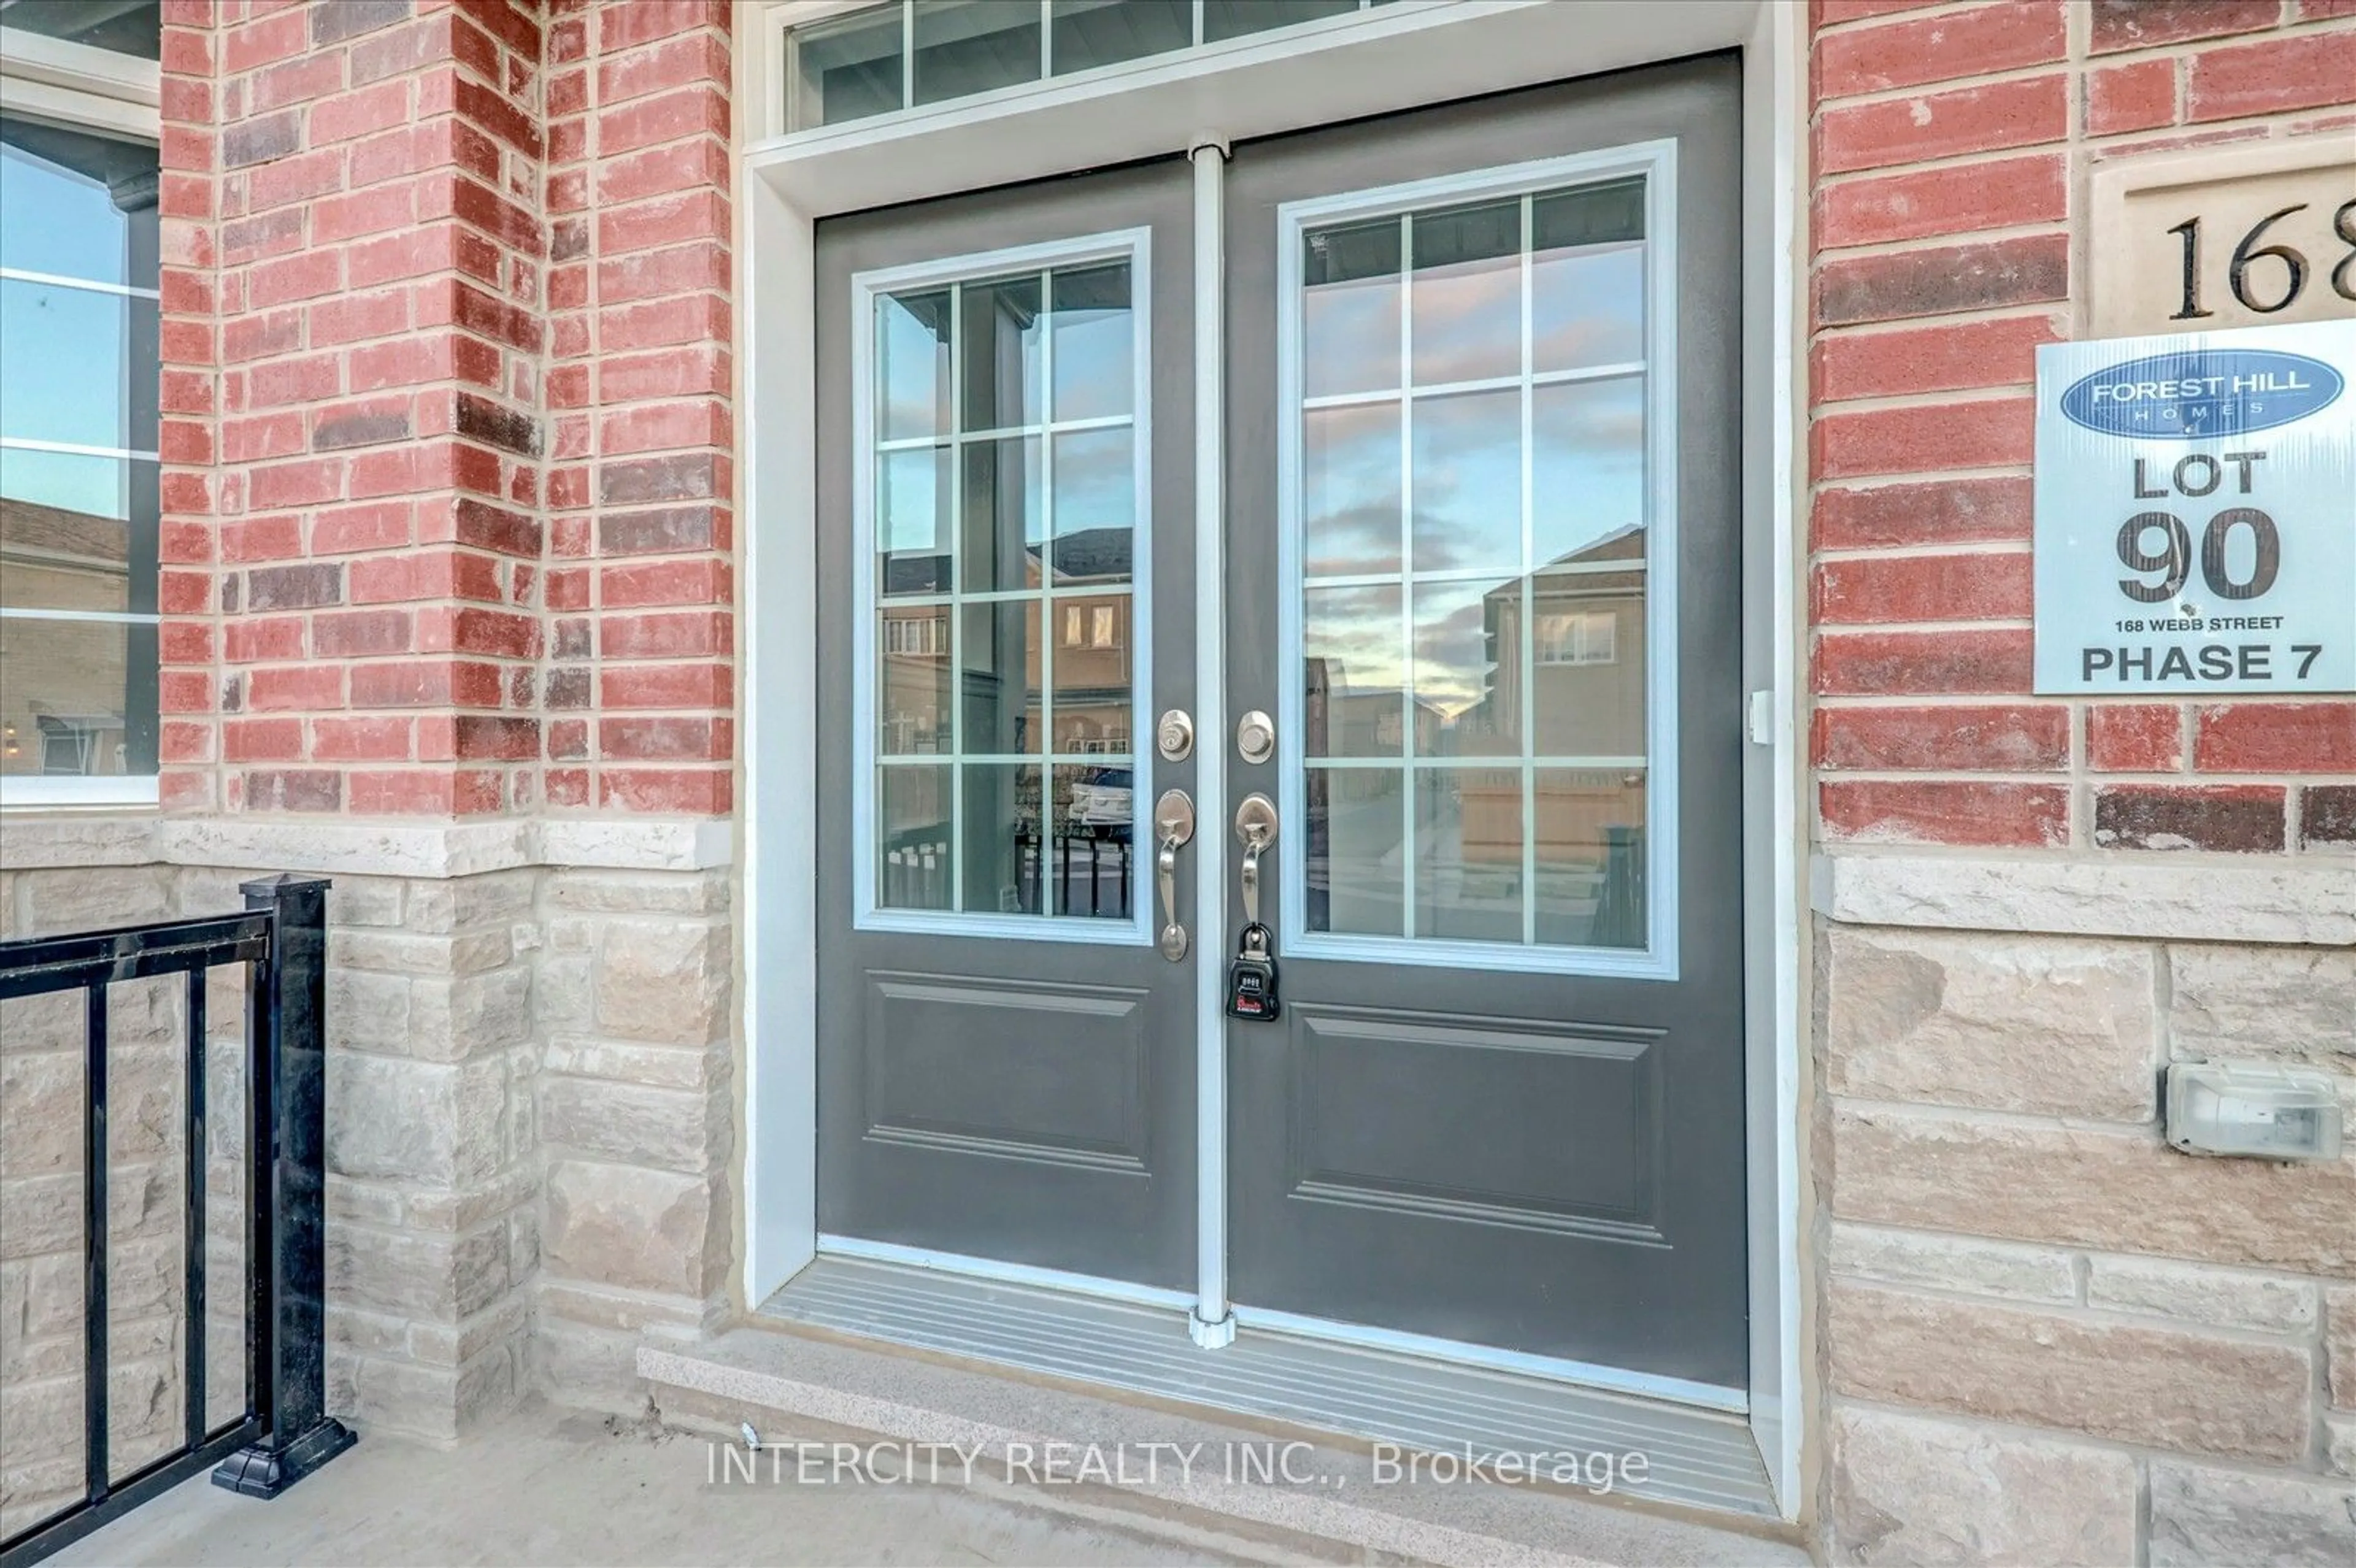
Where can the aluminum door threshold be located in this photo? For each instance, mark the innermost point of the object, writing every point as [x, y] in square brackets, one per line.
[1694, 1458]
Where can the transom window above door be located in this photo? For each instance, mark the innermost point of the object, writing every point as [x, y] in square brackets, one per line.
[1477, 481]
[907, 54]
[1000, 515]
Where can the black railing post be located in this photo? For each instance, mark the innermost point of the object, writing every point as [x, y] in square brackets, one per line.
[290, 1367]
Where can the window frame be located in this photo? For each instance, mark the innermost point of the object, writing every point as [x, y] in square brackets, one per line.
[780, 102]
[82, 88]
[1133, 246]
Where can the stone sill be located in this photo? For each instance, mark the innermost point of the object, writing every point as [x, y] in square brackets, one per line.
[432, 849]
[2308, 900]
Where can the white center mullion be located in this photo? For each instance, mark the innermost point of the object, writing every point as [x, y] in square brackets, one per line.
[908, 73]
[1525, 656]
[1406, 572]
[1049, 631]
[955, 869]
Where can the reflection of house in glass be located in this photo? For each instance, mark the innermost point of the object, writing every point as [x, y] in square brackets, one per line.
[1585, 663]
[1564, 705]
[62, 680]
[1074, 671]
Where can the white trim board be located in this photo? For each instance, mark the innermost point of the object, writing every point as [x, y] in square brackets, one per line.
[1398, 56]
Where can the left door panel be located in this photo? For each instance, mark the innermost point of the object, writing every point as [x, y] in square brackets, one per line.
[1006, 1061]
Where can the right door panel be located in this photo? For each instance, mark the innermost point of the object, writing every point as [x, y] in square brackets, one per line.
[1484, 565]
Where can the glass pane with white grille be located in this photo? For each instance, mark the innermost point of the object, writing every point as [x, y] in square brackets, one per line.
[904, 54]
[1471, 608]
[79, 479]
[1008, 511]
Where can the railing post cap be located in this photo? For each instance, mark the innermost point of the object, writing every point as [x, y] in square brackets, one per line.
[281, 882]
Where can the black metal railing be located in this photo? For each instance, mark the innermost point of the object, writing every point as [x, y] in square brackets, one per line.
[284, 1432]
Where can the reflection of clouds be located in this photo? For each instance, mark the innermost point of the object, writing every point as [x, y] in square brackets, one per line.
[1587, 307]
[1451, 659]
[1349, 336]
[1350, 502]
[1587, 472]
[1355, 631]
[1468, 321]
[1360, 539]
[1468, 481]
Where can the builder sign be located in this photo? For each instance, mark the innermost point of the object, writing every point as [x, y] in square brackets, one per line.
[2196, 512]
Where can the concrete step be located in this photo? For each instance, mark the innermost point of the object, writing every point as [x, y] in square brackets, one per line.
[819, 1400]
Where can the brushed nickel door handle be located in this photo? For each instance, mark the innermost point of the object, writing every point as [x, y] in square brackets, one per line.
[1173, 822]
[1255, 830]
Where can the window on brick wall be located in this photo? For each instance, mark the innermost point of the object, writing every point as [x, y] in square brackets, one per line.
[78, 393]
[861, 64]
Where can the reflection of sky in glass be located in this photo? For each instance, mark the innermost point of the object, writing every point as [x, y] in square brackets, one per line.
[62, 361]
[57, 221]
[61, 350]
[1468, 481]
[911, 496]
[1587, 307]
[1586, 472]
[1350, 489]
[1453, 671]
[1350, 309]
[1467, 299]
[100, 487]
[1096, 483]
[912, 379]
[1094, 343]
[1353, 634]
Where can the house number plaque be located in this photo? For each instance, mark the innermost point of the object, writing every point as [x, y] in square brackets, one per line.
[2244, 235]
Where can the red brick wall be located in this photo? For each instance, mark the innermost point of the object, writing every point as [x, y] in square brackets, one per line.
[1951, 147]
[448, 413]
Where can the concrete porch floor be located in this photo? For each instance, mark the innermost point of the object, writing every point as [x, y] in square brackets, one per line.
[550, 1487]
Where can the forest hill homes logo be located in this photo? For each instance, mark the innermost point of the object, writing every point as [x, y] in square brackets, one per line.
[2199, 393]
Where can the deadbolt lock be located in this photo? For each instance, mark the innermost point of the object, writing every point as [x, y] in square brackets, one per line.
[1254, 737]
[1175, 735]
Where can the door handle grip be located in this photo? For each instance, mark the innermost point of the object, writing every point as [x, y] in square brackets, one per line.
[1256, 830]
[1173, 819]
[1165, 868]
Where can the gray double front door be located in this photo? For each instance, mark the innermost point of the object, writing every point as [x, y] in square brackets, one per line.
[1481, 574]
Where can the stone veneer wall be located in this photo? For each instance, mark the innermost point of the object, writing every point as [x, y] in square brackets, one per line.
[530, 1122]
[41, 1295]
[447, 565]
[2043, 1336]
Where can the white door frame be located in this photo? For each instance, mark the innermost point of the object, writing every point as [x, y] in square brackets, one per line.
[1401, 55]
